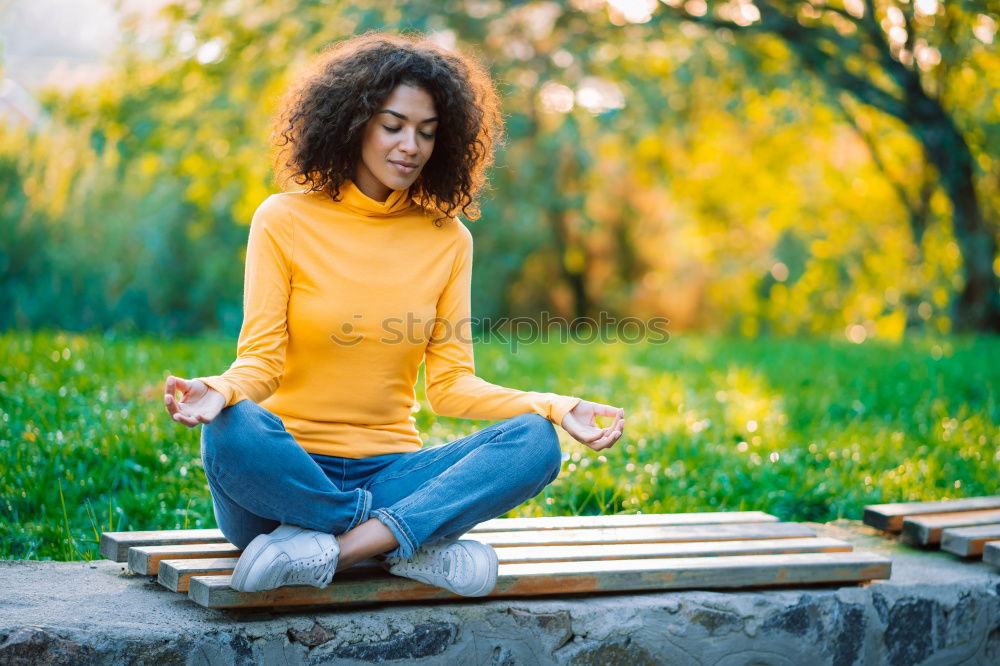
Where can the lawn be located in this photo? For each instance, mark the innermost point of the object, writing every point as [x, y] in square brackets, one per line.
[804, 429]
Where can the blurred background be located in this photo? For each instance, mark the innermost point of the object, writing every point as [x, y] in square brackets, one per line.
[807, 189]
[751, 168]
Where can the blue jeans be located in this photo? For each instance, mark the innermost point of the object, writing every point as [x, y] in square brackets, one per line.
[260, 477]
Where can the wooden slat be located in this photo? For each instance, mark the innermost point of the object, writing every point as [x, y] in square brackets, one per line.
[991, 552]
[146, 559]
[572, 577]
[115, 545]
[521, 554]
[891, 516]
[969, 541]
[926, 530]
[176, 574]
[625, 520]
[627, 535]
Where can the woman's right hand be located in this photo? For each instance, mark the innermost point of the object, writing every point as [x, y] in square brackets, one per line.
[199, 402]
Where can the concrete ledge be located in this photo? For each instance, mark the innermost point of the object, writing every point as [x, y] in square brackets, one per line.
[936, 609]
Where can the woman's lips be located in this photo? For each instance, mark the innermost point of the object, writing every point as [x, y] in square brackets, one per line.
[402, 168]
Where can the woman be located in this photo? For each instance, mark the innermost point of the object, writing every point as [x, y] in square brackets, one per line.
[311, 452]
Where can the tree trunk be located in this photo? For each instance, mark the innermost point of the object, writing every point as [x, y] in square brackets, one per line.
[977, 307]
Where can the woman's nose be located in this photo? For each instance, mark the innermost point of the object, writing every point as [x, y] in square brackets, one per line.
[408, 144]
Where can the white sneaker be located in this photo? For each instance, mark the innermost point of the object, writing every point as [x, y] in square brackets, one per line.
[465, 567]
[290, 555]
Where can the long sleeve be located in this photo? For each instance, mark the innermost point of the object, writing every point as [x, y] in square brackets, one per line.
[257, 370]
[450, 381]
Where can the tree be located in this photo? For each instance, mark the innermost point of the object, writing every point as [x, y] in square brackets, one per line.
[884, 58]
[648, 171]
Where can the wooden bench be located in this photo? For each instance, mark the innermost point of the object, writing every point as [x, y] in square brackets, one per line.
[968, 527]
[538, 556]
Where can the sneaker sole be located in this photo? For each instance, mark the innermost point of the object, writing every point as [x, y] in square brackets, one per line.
[253, 551]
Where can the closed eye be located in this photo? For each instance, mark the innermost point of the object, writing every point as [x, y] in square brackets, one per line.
[393, 130]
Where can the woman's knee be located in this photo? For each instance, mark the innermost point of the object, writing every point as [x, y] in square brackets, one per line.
[231, 430]
[541, 438]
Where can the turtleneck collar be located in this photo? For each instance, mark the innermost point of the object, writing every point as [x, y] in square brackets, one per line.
[352, 197]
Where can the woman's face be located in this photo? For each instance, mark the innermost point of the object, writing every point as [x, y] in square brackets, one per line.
[397, 142]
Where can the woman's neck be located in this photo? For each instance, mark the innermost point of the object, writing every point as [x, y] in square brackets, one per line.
[370, 186]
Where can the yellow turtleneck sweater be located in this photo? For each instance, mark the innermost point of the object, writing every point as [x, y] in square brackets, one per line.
[342, 300]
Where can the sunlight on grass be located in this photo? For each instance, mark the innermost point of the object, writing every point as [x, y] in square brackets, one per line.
[807, 430]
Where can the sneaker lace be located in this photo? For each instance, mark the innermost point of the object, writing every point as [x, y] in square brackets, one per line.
[430, 561]
[317, 571]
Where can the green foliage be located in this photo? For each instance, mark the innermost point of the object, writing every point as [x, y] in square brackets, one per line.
[806, 430]
[127, 209]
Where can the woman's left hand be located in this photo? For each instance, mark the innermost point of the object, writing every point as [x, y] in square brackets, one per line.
[581, 423]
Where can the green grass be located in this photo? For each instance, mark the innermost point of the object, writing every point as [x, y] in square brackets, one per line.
[804, 429]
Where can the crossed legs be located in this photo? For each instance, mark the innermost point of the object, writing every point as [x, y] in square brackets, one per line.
[260, 477]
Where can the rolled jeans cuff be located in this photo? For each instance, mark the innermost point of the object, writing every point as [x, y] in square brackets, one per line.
[361, 508]
[399, 530]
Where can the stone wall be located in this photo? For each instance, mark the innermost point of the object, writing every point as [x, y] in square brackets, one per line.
[936, 609]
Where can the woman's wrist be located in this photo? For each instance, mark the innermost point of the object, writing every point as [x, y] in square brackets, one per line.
[218, 385]
[564, 406]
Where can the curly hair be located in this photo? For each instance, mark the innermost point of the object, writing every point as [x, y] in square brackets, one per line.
[317, 130]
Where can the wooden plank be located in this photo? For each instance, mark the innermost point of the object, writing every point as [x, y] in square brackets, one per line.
[624, 520]
[554, 578]
[969, 541]
[627, 535]
[115, 545]
[521, 554]
[890, 516]
[926, 530]
[176, 574]
[146, 559]
[991, 553]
